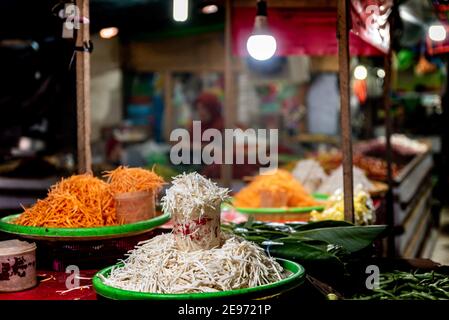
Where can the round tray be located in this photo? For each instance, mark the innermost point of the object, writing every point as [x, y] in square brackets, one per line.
[316, 196]
[278, 210]
[81, 234]
[265, 291]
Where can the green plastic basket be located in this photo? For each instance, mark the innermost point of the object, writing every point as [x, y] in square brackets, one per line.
[262, 292]
[79, 234]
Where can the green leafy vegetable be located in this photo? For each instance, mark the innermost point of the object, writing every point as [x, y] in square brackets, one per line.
[399, 285]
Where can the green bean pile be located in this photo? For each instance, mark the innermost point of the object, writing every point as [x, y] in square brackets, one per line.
[399, 285]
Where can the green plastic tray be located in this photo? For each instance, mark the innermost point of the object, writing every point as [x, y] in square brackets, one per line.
[320, 196]
[268, 290]
[279, 210]
[79, 234]
[317, 196]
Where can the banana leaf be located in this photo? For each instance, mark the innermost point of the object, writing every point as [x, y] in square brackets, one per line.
[338, 233]
[267, 234]
[300, 251]
[351, 238]
[313, 255]
[319, 225]
[324, 248]
[256, 239]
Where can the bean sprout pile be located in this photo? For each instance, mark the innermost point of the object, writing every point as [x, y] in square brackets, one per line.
[191, 195]
[157, 266]
[196, 257]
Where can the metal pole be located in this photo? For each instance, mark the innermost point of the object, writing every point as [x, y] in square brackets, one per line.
[168, 98]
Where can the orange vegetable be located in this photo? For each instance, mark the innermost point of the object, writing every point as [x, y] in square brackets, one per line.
[278, 185]
[83, 201]
[77, 202]
[125, 179]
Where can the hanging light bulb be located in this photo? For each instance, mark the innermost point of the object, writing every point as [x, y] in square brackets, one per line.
[360, 72]
[108, 33]
[261, 45]
[437, 32]
[180, 10]
[209, 9]
[380, 73]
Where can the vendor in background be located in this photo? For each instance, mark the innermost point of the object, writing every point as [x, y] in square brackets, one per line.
[209, 111]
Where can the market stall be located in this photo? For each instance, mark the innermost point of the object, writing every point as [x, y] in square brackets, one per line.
[309, 227]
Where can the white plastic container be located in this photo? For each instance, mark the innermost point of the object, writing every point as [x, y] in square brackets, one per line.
[200, 232]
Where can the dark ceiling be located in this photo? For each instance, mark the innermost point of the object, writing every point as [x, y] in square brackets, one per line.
[35, 19]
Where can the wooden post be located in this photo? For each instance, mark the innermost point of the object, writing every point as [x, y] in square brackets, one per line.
[391, 250]
[229, 105]
[83, 92]
[168, 98]
[345, 112]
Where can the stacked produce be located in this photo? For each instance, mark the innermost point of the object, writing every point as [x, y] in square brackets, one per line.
[369, 156]
[375, 168]
[405, 144]
[310, 173]
[83, 201]
[401, 145]
[197, 257]
[335, 181]
[364, 213]
[274, 189]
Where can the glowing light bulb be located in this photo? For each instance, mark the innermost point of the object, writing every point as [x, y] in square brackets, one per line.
[261, 46]
[209, 9]
[360, 72]
[437, 33]
[180, 10]
[381, 73]
[108, 33]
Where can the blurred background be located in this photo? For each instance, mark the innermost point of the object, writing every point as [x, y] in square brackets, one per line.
[154, 70]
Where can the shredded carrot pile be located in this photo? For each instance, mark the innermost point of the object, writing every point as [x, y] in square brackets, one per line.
[125, 179]
[83, 201]
[278, 183]
[77, 202]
